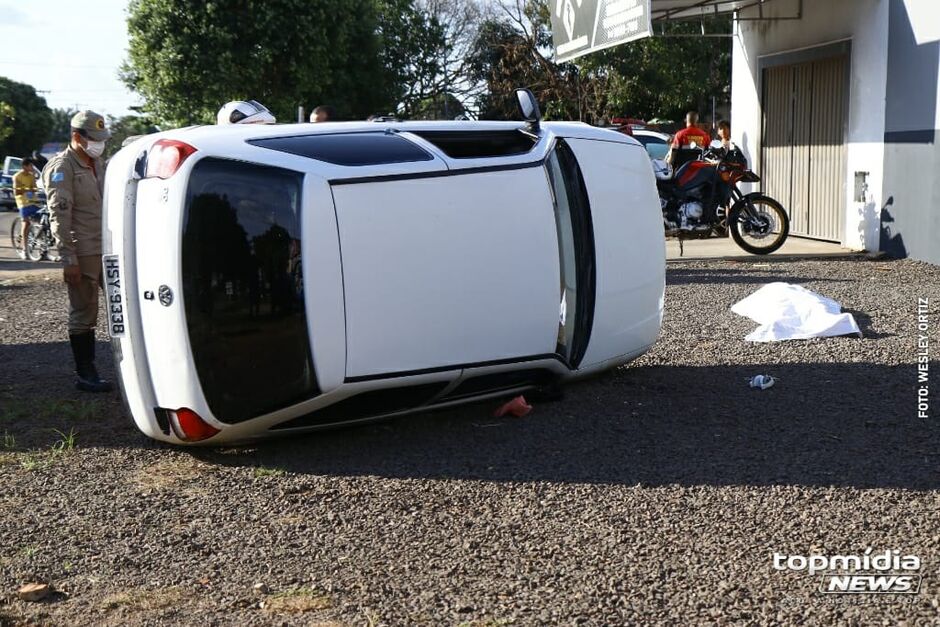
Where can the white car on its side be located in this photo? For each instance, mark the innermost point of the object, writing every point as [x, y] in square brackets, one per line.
[269, 279]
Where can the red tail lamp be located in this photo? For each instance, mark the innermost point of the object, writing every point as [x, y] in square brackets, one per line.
[189, 426]
[166, 156]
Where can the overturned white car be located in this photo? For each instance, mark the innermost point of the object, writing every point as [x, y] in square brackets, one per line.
[269, 279]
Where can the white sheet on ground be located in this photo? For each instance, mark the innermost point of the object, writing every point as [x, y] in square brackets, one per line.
[791, 312]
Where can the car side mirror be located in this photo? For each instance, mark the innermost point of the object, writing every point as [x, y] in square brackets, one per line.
[529, 109]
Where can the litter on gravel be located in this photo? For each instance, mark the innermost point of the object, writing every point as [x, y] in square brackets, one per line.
[517, 407]
[762, 381]
[790, 312]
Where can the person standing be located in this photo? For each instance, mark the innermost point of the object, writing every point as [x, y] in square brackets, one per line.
[691, 138]
[724, 134]
[74, 181]
[27, 198]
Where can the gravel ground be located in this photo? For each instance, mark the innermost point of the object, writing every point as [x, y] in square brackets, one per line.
[655, 494]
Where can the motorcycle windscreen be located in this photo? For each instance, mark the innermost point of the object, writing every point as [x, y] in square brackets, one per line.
[448, 271]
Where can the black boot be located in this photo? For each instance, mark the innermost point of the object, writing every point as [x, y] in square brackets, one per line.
[83, 348]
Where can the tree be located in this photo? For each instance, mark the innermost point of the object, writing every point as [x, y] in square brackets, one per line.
[188, 57]
[61, 125]
[125, 127]
[7, 118]
[666, 76]
[512, 51]
[460, 22]
[411, 43]
[444, 106]
[652, 77]
[31, 118]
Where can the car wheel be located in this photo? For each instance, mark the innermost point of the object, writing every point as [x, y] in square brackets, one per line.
[36, 247]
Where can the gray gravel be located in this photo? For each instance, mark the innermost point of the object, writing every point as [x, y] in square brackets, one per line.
[655, 494]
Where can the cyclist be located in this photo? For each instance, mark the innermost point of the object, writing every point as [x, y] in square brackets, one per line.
[27, 198]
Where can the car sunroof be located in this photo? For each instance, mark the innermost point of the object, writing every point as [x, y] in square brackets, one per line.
[479, 144]
[350, 149]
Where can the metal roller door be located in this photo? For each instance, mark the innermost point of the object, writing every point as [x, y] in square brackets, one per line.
[803, 147]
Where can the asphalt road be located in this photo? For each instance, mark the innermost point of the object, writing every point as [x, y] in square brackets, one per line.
[11, 266]
[656, 494]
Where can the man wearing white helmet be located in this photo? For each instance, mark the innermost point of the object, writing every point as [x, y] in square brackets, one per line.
[244, 112]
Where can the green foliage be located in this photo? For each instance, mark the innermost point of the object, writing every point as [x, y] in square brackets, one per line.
[125, 127]
[666, 76]
[189, 57]
[511, 52]
[61, 125]
[441, 107]
[652, 77]
[411, 43]
[7, 118]
[416, 58]
[30, 117]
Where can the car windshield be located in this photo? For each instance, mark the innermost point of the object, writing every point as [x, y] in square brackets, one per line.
[655, 147]
[243, 288]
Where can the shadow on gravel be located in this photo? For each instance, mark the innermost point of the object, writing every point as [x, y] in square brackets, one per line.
[10, 287]
[822, 424]
[7, 265]
[39, 404]
[757, 276]
[864, 325]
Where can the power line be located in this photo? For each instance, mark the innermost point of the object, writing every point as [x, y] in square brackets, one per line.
[68, 65]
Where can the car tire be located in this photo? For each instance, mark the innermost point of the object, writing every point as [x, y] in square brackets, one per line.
[16, 234]
[36, 246]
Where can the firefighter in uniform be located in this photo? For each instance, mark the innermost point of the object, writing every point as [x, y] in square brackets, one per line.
[74, 182]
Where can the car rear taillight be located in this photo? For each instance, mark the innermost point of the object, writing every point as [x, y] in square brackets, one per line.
[189, 426]
[165, 158]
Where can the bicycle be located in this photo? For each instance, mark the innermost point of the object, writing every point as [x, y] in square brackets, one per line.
[40, 244]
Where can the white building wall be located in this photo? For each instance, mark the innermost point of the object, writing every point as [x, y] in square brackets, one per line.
[865, 23]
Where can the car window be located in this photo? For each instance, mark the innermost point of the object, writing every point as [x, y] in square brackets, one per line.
[243, 288]
[575, 254]
[655, 147]
[353, 149]
[478, 144]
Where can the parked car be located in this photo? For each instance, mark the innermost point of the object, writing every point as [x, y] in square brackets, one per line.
[269, 279]
[7, 201]
[656, 143]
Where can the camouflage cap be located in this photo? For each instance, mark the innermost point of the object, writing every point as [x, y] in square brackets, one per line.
[92, 123]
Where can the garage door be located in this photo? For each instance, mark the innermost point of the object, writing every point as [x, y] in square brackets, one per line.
[803, 150]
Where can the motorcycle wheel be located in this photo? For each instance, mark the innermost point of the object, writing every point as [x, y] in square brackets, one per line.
[759, 224]
[16, 234]
[36, 247]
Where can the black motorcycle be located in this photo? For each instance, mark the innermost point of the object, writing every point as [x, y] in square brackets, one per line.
[702, 199]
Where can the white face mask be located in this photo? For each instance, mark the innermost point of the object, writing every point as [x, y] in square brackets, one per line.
[94, 149]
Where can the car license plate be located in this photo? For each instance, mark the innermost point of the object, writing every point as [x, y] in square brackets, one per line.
[114, 295]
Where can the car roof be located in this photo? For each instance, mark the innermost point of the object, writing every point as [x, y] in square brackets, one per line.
[243, 141]
[245, 132]
[649, 133]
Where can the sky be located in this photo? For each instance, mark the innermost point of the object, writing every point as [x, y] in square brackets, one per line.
[70, 52]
